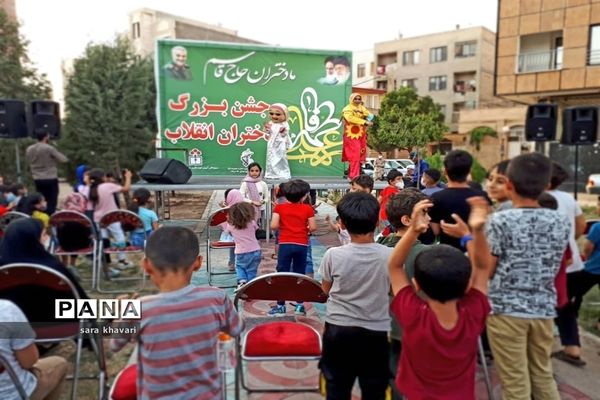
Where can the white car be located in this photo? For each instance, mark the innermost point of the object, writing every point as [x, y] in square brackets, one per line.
[593, 185]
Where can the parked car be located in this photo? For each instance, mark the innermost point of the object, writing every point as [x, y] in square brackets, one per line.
[593, 185]
[368, 167]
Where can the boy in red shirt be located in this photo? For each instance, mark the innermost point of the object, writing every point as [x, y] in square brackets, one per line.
[395, 184]
[439, 348]
[294, 220]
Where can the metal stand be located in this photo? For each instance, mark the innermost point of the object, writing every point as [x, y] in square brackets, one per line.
[575, 189]
[18, 161]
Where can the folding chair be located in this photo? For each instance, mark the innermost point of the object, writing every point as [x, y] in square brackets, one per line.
[81, 225]
[278, 340]
[215, 219]
[13, 276]
[129, 221]
[8, 218]
[6, 367]
[124, 386]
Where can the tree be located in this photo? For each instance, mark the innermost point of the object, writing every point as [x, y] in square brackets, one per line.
[479, 133]
[110, 104]
[19, 80]
[406, 120]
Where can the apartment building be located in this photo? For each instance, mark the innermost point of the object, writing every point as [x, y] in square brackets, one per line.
[455, 68]
[549, 49]
[147, 25]
[9, 7]
[363, 69]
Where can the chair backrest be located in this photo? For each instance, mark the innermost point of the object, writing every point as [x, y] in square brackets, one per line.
[60, 217]
[10, 217]
[282, 286]
[218, 217]
[12, 276]
[20, 274]
[75, 201]
[589, 223]
[129, 220]
[6, 367]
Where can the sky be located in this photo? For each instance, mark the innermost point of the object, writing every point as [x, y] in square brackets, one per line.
[61, 29]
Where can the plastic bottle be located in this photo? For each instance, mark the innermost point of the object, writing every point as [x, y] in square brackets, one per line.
[226, 357]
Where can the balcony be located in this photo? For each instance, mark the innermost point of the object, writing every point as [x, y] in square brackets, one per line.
[540, 61]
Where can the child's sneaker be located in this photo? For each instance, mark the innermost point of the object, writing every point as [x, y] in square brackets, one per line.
[277, 310]
[123, 264]
[299, 310]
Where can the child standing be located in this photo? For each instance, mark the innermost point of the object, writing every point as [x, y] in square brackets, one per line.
[395, 184]
[279, 143]
[102, 198]
[139, 202]
[343, 235]
[179, 324]
[255, 190]
[430, 181]
[362, 183]
[242, 226]
[355, 342]
[527, 244]
[441, 331]
[294, 220]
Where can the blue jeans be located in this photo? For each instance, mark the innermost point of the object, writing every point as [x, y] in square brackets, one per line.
[138, 239]
[291, 258]
[246, 265]
[310, 267]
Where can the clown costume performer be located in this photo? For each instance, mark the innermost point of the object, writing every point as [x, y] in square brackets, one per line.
[279, 142]
[356, 119]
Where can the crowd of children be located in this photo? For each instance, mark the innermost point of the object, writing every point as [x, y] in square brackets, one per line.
[400, 312]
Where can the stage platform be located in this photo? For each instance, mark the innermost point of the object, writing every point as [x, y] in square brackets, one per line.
[200, 183]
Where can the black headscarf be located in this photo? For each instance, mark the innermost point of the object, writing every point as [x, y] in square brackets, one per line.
[21, 244]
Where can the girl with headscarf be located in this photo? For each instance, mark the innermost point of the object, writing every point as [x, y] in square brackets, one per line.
[254, 189]
[356, 118]
[278, 144]
[22, 243]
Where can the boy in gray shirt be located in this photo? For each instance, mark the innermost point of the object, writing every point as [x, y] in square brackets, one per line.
[355, 343]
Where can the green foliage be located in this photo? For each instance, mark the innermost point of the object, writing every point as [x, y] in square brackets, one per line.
[479, 133]
[110, 103]
[478, 173]
[405, 121]
[436, 161]
[19, 80]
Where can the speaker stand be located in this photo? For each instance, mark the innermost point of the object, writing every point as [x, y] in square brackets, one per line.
[18, 161]
[576, 167]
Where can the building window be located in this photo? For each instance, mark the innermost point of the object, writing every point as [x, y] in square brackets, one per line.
[372, 69]
[443, 109]
[466, 49]
[437, 83]
[410, 57]
[382, 85]
[411, 83]
[438, 54]
[135, 30]
[360, 71]
[594, 51]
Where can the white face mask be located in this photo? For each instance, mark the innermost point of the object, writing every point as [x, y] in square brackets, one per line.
[400, 185]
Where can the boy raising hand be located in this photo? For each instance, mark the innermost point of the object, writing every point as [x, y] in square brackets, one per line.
[441, 328]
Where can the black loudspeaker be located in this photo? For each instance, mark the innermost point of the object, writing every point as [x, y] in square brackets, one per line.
[580, 125]
[165, 170]
[44, 116]
[540, 124]
[13, 122]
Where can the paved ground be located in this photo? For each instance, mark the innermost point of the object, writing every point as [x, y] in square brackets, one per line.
[574, 383]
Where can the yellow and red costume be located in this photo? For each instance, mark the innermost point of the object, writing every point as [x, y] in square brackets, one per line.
[354, 150]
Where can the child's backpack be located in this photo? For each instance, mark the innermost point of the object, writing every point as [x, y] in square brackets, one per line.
[75, 202]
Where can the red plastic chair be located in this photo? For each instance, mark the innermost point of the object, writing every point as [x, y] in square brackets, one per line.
[124, 386]
[14, 275]
[59, 220]
[129, 221]
[216, 219]
[278, 340]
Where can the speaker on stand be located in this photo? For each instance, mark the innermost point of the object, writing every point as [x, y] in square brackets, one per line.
[44, 117]
[580, 127]
[13, 125]
[166, 171]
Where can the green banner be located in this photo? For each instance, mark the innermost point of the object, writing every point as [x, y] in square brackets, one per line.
[213, 102]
